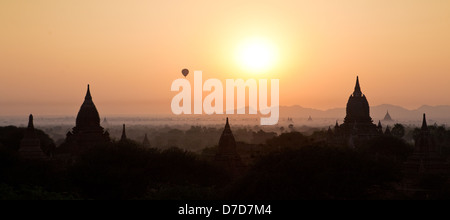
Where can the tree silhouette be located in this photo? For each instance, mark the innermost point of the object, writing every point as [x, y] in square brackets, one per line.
[398, 130]
[127, 171]
[314, 172]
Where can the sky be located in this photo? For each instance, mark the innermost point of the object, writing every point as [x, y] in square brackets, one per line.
[130, 52]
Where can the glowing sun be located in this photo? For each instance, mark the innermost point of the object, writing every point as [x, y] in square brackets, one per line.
[256, 55]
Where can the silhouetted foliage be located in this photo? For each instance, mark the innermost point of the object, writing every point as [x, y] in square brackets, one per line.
[389, 147]
[289, 166]
[289, 140]
[261, 136]
[433, 182]
[22, 179]
[126, 171]
[25, 192]
[8, 159]
[11, 136]
[398, 130]
[314, 173]
[291, 127]
[440, 135]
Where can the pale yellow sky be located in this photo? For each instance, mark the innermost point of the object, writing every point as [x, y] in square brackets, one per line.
[131, 51]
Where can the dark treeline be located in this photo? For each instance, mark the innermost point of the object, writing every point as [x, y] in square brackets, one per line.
[192, 138]
[287, 166]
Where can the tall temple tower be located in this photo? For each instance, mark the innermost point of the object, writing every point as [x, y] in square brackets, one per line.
[227, 156]
[123, 138]
[358, 124]
[380, 128]
[87, 131]
[426, 157]
[30, 146]
[357, 107]
[358, 121]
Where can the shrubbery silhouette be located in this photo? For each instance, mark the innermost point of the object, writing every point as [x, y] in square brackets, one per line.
[314, 172]
[127, 171]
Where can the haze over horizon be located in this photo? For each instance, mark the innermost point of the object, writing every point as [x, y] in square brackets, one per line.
[130, 52]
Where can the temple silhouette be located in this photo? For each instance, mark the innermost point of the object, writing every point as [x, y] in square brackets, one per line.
[358, 125]
[426, 157]
[87, 132]
[146, 142]
[30, 146]
[227, 156]
[426, 160]
[387, 117]
[123, 138]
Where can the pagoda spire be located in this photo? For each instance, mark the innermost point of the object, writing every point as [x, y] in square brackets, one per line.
[387, 117]
[357, 92]
[88, 117]
[30, 145]
[227, 143]
[30, 122]
[227, 156]
[88, 94]
[146, 142]
[424, 123]
[227, 126]
[30, 132]
[124, 135]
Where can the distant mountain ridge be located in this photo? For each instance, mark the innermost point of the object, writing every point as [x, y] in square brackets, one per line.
[377, 112]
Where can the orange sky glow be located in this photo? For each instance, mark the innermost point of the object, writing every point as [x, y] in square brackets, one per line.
[131, 51]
